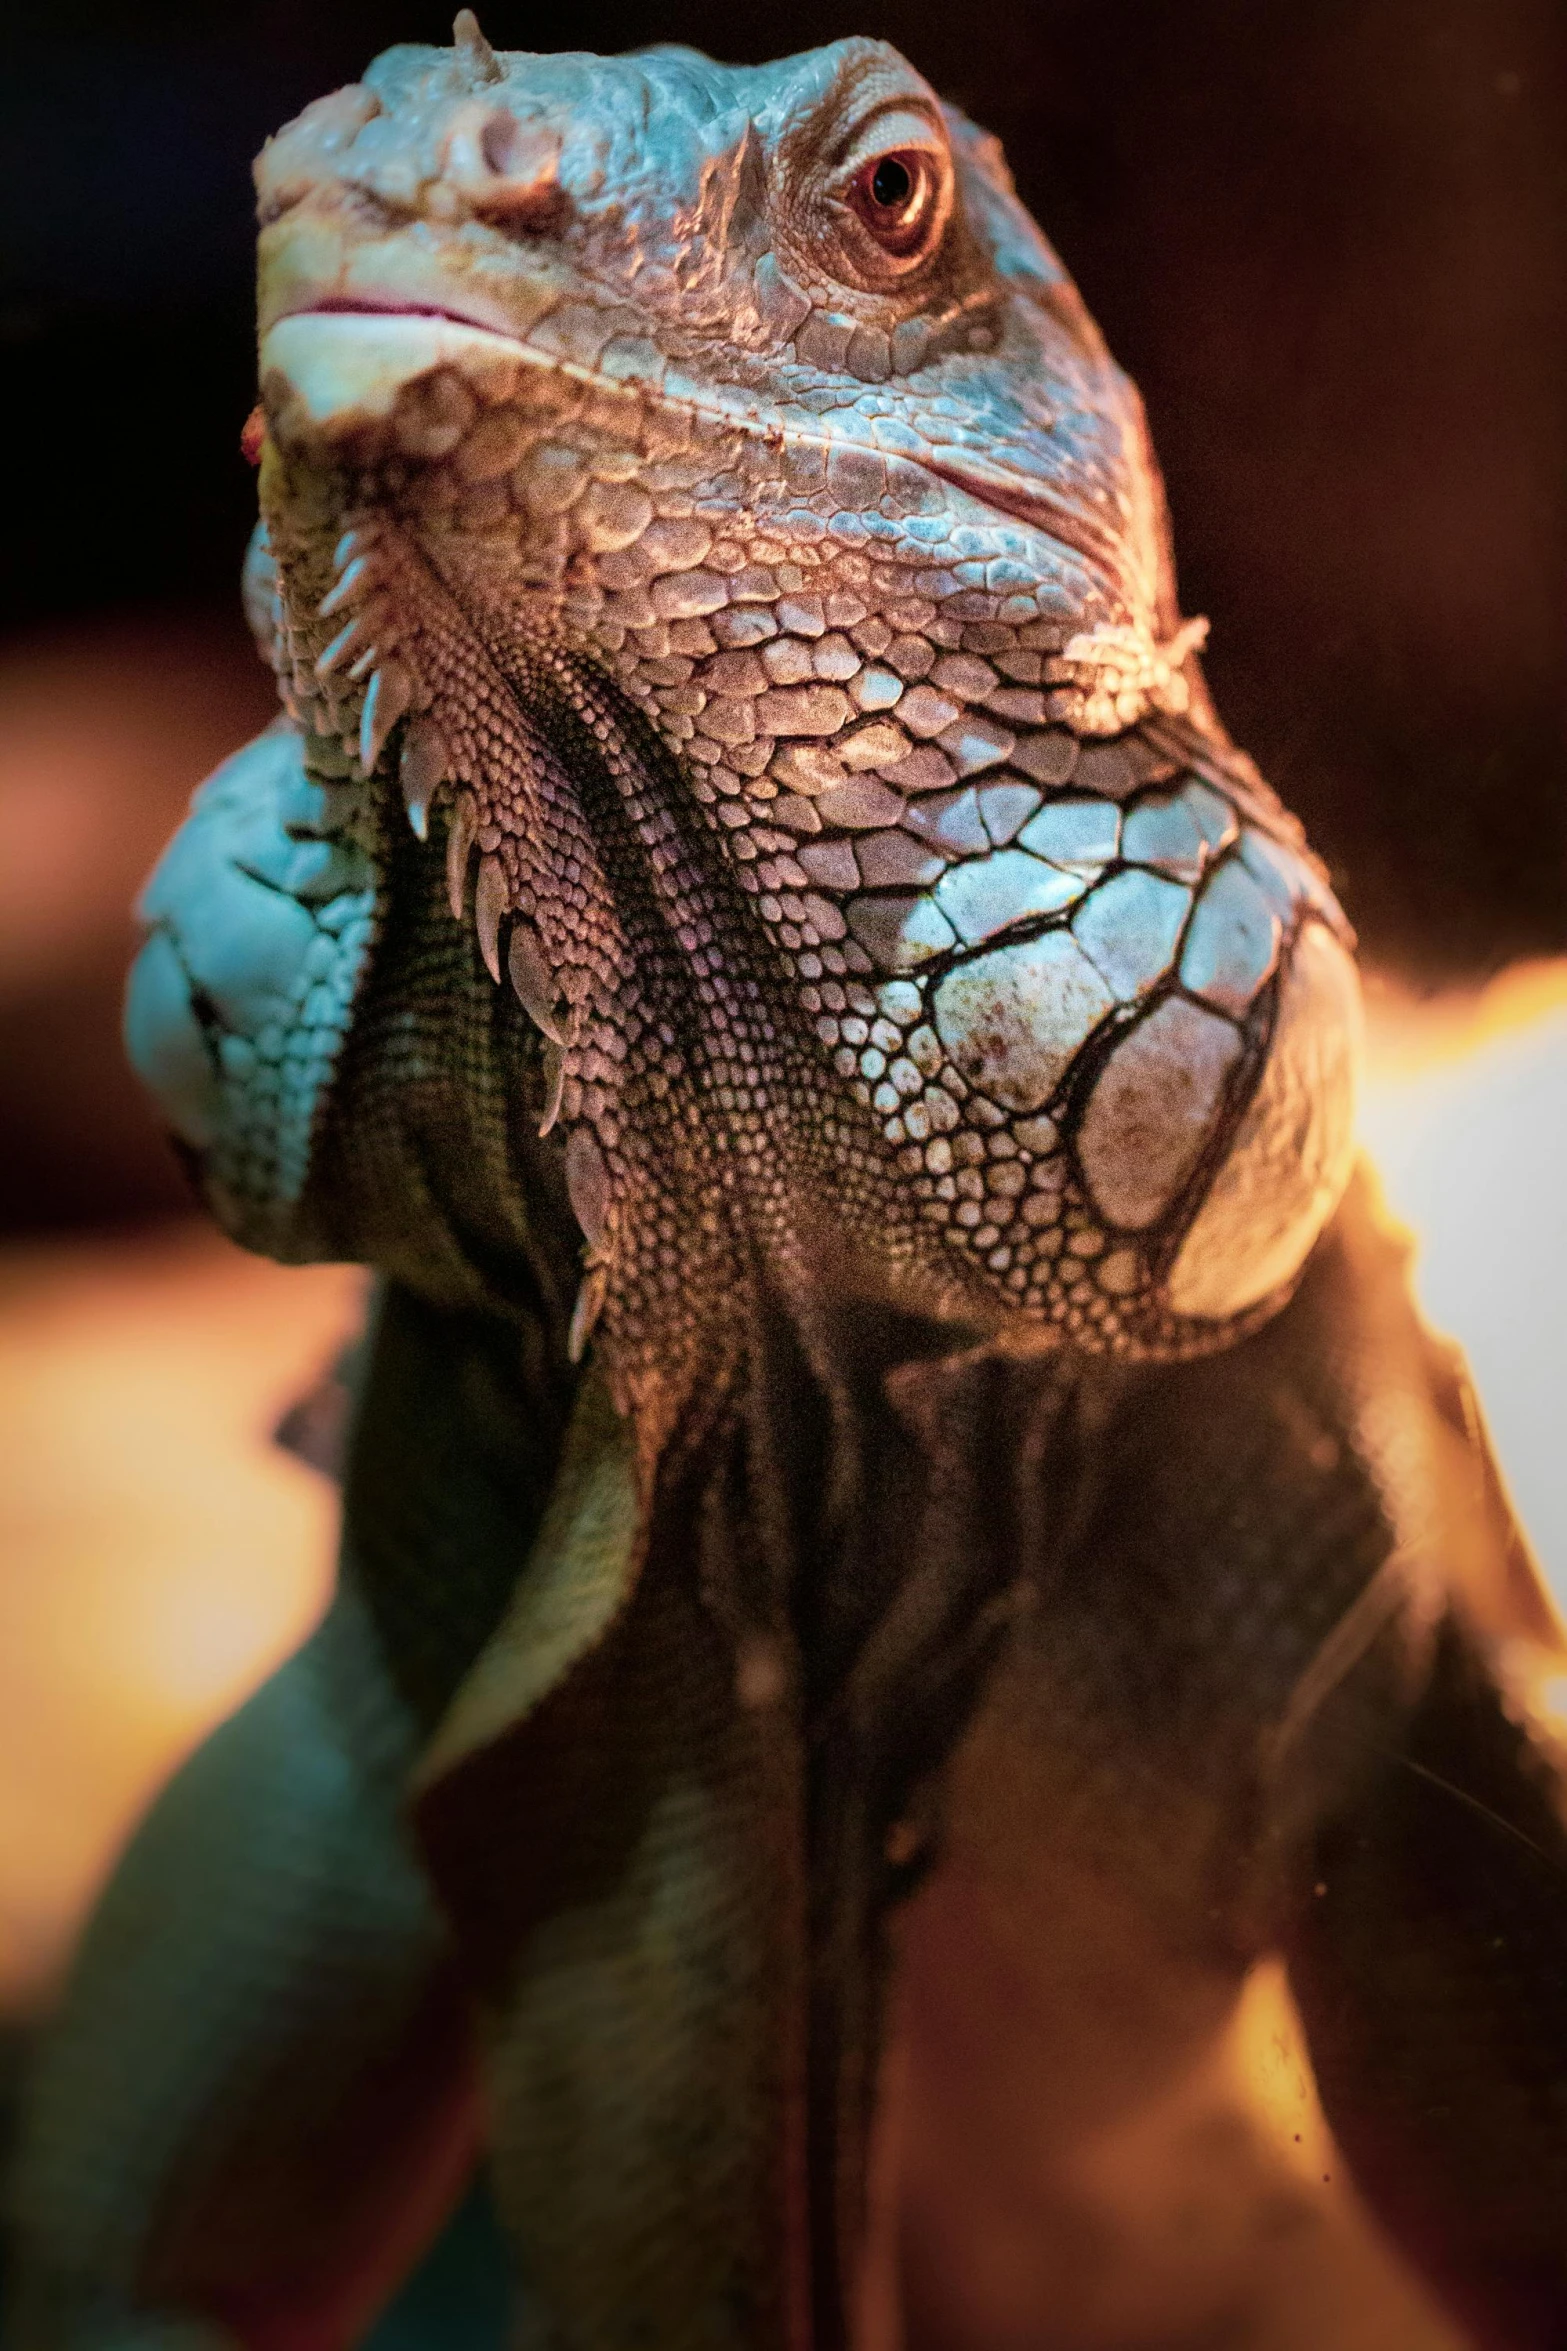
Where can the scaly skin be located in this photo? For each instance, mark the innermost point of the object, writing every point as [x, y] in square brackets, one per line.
[710, 564]
[887, 1439]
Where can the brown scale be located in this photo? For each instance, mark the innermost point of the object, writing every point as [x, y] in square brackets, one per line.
[541, 873]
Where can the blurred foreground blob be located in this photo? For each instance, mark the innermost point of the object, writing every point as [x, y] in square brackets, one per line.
[1217, 2216]
[105, 731]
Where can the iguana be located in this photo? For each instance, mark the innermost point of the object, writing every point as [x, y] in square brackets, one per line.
[890, 1426]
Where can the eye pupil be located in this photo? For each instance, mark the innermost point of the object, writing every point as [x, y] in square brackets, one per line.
[901, 197]
[891, 182]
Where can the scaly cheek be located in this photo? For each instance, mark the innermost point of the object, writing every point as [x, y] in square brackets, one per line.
[1290, 1159]
[301, 261]
[1047, 969]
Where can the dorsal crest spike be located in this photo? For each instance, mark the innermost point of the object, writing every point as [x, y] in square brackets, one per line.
[474, 49]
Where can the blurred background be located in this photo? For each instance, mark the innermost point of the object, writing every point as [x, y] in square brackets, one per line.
[1330, 242]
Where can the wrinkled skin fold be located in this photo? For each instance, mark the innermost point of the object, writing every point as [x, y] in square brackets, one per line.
[893, 1453]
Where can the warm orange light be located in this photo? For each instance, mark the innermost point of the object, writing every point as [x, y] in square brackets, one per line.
[1465, 1114]
[160, 1553]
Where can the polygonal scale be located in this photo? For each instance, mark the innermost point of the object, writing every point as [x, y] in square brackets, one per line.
[1290, 1156]
[1012, 1020]
[1152, 1108]
[1233, 942]
[1081, 833]
[988, 894]
[1130, 926]
[1164, 833]
[921, 753]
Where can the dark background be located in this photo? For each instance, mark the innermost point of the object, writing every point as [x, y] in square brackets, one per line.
[1329, 240]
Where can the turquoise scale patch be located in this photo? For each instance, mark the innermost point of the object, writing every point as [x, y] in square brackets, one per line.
[262, 915]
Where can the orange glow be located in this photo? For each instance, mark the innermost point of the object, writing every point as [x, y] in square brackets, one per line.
[161, 1554]
[1465, 1114]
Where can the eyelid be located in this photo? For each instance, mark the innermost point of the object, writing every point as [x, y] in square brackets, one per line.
[897, 129]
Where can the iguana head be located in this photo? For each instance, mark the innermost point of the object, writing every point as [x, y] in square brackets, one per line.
[705, 486]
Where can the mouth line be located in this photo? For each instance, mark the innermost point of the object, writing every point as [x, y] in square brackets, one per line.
[367, 306]
[1003, 494]
[999, 493]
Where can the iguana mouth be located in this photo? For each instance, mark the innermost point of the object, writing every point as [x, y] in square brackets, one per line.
[371, 305]
[995, 487]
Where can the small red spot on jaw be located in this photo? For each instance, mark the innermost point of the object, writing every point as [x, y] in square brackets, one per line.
[252, 433]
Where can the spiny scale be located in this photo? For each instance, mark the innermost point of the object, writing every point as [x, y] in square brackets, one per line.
[365, 644]
[387, 698]
[585, 1313]
[351, 578]
[555, 1086]
[349, 639]
[387, 589]
[459, 849]
[489, 904]
[588, 1185]
[471, 44]
[532, 981]
[421, 769]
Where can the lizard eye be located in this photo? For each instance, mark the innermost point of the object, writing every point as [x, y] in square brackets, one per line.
[892, 197]
[895, 196]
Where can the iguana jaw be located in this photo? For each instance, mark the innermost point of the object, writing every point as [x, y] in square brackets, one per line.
[334, 374]
[333, 378]
[696, 256]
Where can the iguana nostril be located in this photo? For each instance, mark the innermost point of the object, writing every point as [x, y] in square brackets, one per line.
[504, 168]
[497, 141]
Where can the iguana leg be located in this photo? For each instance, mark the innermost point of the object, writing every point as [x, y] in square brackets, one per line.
[257, 2101]
[239, 2015]
[1430, 1968]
